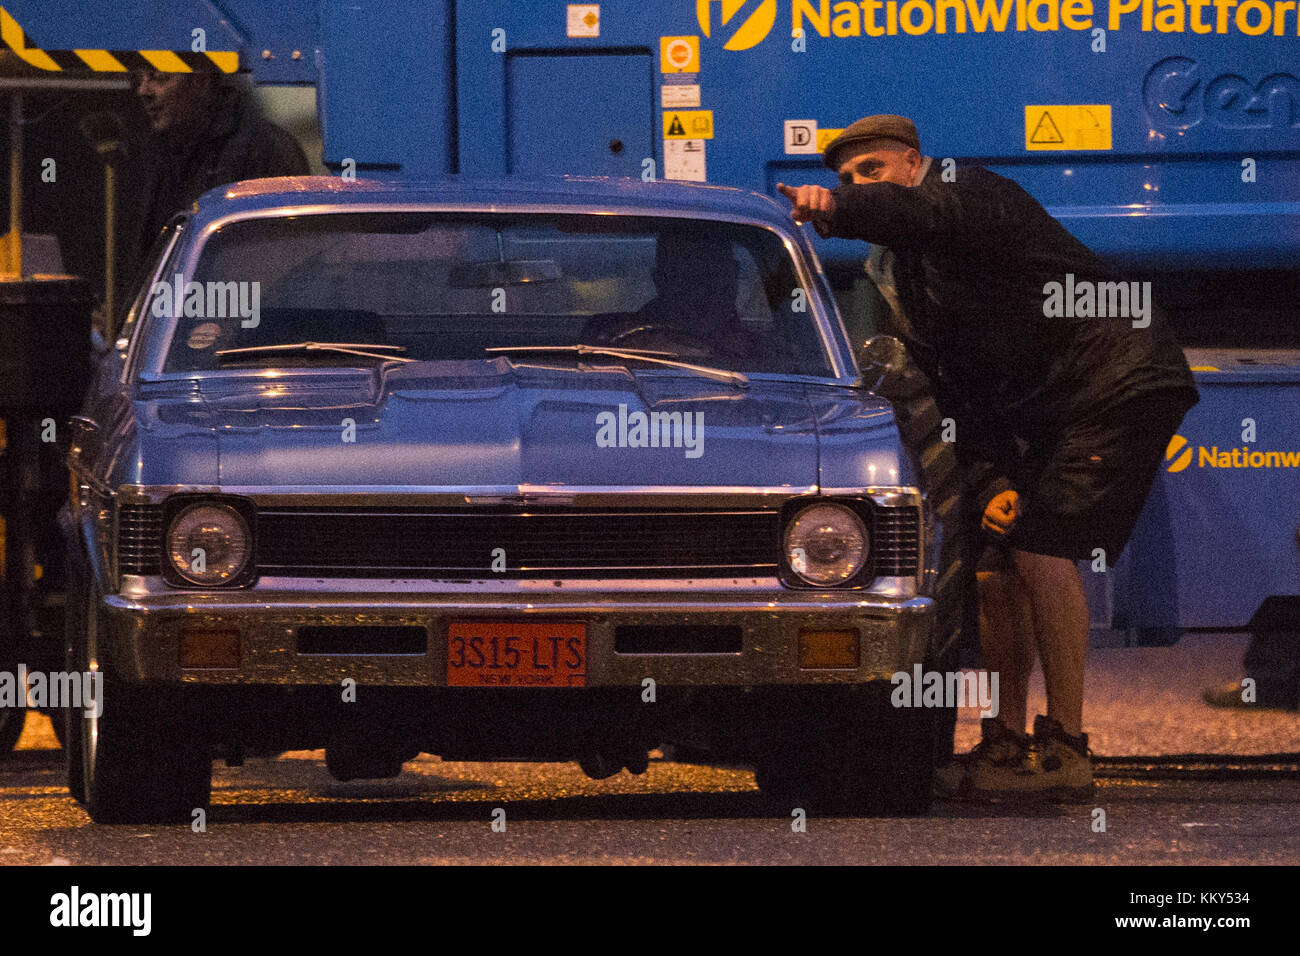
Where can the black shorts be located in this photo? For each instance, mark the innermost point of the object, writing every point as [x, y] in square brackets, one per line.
[1086, 490]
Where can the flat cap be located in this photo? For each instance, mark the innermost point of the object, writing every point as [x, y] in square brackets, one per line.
[883, 125]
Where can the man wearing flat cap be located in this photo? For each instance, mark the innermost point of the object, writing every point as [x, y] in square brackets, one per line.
[1073, 414]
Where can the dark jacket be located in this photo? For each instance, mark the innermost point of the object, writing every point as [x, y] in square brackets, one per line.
[237, 144]
[972, 258]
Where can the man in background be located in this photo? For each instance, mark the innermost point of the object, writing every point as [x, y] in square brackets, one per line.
[207, 132]
[1073, 414]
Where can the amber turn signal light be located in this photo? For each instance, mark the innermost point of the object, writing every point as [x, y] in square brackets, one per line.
[828, 650]
[208, 650]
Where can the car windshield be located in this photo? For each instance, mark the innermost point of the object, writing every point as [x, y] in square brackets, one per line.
[447, 286]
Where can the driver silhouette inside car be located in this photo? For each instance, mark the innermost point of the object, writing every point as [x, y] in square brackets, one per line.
[693, 315]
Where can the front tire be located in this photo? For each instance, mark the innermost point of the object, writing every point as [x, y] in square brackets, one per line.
[136, 761]
[11, 718]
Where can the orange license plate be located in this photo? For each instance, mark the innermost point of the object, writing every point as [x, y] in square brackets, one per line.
[524, 654]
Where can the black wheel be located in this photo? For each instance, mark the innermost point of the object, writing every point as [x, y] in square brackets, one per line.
[74, 660]
[11, 726]
[11, 718]
[840, 752]
[133, 761]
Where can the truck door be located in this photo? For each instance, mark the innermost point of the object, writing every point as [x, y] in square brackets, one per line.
[536, 94]
[588, 113]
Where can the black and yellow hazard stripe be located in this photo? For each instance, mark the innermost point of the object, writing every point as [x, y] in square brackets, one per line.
[13, 37]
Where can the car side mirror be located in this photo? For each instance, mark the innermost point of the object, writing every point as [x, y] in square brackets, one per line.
[83, 426]
[880, 357]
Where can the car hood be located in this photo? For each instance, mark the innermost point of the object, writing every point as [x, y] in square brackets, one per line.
[502, 423]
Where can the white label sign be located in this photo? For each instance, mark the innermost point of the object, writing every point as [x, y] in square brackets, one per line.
[679, 96]
[800, 136]
[684, 159]
[584, 20]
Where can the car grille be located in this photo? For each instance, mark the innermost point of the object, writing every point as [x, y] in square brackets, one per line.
[139, 539]
[896, 541]
[537, 543]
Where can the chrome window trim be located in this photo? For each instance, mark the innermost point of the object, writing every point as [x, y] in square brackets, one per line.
[836, 348]
[134, 349]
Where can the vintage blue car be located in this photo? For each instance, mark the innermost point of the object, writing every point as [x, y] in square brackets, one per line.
[543, 470]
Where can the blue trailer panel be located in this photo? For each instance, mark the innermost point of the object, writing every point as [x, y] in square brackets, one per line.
[1163, 133]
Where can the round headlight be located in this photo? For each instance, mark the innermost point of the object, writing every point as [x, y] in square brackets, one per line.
[826, 544]
[208, 544]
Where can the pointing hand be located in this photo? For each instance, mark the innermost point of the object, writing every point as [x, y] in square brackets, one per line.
[814, 204]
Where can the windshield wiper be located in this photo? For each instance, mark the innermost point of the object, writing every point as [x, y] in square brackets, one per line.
[643, 355]
[342, 348]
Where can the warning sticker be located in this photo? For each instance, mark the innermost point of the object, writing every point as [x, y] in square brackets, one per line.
[684, 159]
[679, 54]
[824, 137]
[800, 136]
[583, 20]
[688, 124]
[1067, 127]
[679, 95]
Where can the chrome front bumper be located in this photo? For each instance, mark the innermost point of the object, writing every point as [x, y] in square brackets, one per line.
[140, 629]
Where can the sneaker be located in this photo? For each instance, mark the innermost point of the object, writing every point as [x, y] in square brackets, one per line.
[1268, 696]
[1062, 765]
[999, 746]
[1057, 766]
[1226, 695]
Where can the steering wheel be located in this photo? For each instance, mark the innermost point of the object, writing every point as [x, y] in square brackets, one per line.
[692, 344]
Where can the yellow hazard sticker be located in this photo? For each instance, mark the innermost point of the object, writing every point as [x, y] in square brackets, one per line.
[688, 124]
[824, 137]
[679, 54]
[1067, 127]
[582, 20]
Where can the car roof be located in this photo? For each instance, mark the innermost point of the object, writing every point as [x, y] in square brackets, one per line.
[631, 196]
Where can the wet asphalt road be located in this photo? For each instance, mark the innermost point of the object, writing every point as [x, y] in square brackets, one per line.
[1221, 810]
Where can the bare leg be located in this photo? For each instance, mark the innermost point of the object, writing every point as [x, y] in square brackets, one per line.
[1061, 614]
[1007, 642]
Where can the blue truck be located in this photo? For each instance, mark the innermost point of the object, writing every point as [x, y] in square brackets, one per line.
[1162, 133]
